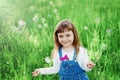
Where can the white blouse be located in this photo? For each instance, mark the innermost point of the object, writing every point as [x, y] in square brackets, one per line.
[82, 59]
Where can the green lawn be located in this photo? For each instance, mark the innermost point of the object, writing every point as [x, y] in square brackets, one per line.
[26, 35]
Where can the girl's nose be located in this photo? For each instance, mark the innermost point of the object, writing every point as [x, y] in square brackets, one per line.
[64, 38]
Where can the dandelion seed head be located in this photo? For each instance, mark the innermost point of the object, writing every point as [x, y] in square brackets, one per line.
[97, 21]
[45, 25]
[7, 62]
[55, 10]
[103, 46]
[32, 7]
[108, 32]
[98, 72]
[21, 23]
[43, 20]
[20, 28]
[39, 26]
[51, 3]
[85, 28]
[48, 60]
[35, 18]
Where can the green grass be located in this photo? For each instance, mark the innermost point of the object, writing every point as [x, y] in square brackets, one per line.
[24, 47]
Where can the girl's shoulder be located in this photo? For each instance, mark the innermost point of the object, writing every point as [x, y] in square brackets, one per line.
[82, 49]
[55, 53]
[82, 52]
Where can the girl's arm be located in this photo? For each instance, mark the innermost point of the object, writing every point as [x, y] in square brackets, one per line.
[49, 70]
[84, 61]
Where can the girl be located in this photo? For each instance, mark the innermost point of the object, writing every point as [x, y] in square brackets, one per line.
[70, 60]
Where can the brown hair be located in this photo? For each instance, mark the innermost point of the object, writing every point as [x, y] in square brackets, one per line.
[62, 26]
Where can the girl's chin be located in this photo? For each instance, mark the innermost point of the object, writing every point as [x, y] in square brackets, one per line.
[66, 45]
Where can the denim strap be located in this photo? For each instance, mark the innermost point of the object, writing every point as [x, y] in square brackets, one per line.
[74, 57]
[60, 52]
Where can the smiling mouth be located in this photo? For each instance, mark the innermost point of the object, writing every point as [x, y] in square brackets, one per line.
[65, 42]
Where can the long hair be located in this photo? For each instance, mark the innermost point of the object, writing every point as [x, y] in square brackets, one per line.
[62, 26]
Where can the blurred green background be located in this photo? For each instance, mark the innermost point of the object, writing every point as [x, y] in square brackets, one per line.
[26, 35]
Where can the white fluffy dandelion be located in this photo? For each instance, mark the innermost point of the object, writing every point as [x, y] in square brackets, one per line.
[7, 62]
[21, 26]
[35, 18]
[39, 26]
[97, 21]
[21, 23]
[55, 10]
[85, 27]
[108, 32]
[48, 60]
[32, 7]
[50, 3]
[43, 20]
[45, 25]
[103, 46]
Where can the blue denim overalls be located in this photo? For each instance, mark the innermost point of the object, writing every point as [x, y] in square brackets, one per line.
[70, 69]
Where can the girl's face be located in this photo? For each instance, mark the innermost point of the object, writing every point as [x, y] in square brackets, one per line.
[66, 38]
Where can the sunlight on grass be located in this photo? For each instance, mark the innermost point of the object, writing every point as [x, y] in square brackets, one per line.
[26, 35]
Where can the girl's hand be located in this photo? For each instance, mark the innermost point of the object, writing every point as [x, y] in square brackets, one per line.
[90, 64]
[36, 72]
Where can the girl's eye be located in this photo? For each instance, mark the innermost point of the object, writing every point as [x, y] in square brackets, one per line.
[60, 36]
[67, 35]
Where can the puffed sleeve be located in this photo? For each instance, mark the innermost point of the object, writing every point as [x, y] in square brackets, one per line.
[54, 69]
[83, 59]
